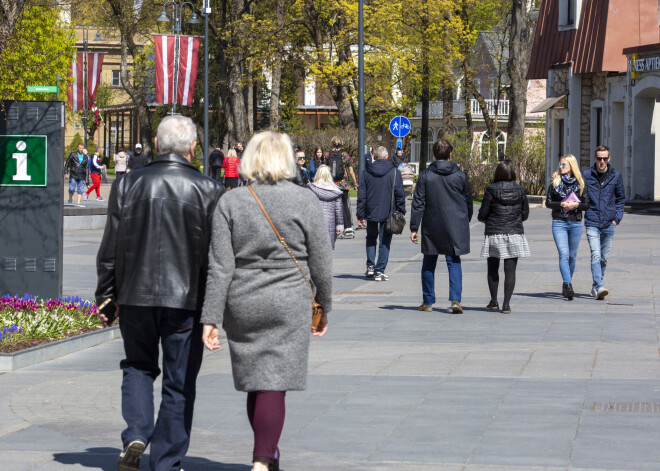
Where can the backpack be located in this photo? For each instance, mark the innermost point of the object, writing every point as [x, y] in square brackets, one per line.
[336, 164]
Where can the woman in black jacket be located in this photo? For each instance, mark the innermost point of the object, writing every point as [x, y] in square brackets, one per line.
[567, 196]
[503, 210]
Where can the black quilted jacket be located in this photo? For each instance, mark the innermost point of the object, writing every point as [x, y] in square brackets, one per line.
[504, 208]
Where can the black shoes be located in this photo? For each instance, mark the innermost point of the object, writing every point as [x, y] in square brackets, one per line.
[506, 309]
[493, 306]
[567, 291]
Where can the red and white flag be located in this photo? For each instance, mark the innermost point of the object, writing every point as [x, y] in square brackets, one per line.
[165, 46]
[76, 92]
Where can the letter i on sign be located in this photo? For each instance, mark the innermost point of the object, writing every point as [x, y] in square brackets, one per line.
[21, 163]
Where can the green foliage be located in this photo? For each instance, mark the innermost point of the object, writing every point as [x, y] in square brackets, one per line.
[73, 147]
[41, 48]
[528, 157]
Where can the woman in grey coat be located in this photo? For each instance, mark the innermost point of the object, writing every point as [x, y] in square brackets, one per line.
[329, 196]
[257, 293]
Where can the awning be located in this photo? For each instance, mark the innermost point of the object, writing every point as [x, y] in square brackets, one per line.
[548, 103]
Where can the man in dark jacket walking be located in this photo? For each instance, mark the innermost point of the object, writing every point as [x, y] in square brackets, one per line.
[137, 159]
[77, 171]
[374, 205]
[152, 267]
[607, 196]
[443, 205]
[216, 160]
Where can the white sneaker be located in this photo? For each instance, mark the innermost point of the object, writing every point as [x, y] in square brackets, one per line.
[381, 277]
[594, 293]
[129, 459]
[370, 272]
[86, 196]
[601, 294]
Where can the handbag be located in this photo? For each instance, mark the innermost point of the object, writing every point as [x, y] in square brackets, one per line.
[317, 309]
[396, 220]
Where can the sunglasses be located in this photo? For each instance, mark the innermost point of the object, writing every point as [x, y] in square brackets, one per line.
[562, 165]
[602, 159]
[301, 158]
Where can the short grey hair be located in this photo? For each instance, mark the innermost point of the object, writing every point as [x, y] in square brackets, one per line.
[381, 152]
[176, 135]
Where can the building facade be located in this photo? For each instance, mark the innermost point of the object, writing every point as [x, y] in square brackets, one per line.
[601, 59]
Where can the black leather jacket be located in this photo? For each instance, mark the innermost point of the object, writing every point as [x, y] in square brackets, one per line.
[75, 169]
[155, 247]
[504, 208]
[301, 178]
[553, 201]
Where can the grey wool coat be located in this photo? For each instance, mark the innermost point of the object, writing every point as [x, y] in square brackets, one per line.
[329, 196]
[256, 289]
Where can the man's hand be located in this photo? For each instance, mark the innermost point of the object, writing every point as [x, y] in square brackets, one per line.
[210, 337]
[362, 223]
[614, 222]
[66, 175]
[105, 322]
[413, 238]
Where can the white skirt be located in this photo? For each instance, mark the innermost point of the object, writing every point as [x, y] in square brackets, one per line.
[504, 246]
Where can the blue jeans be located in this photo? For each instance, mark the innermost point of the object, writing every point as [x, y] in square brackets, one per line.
[567, 238]
[376, 232]
[428, 278]
[600, 241]
[76, 185]
[180, 334]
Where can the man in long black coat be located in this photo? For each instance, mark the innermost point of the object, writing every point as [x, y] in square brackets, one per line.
[443, 205]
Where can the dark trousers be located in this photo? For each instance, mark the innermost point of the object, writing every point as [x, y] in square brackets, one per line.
[346, 207]
[266, 410]
[376, 233]
[217, 173]
[179, 332]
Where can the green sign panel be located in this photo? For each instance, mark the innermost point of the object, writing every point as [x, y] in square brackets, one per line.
[23, 160]
[41, 89]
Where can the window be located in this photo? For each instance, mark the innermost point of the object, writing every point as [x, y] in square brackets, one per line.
[116, 78]
[569, 14]
[485, 147]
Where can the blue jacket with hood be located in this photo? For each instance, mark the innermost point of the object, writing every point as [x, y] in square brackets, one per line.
[375, 191]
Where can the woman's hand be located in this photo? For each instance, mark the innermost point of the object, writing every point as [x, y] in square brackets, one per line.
[210, 337]
[322, 328]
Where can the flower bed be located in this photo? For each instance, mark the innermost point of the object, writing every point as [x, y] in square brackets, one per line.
[26, 322]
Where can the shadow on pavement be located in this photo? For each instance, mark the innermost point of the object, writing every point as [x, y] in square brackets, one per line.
[352, 277]
[106, 460]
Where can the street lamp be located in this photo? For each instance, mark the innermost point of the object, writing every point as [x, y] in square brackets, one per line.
[361, 156]
[177, 10]
[85, 31]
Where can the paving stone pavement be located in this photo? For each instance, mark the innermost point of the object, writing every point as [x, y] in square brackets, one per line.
[555, 385]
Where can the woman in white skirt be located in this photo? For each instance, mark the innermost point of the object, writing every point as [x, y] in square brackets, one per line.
[503, 210]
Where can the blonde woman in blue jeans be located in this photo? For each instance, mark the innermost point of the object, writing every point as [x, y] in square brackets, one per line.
[568, 197]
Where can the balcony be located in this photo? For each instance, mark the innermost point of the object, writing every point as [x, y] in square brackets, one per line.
[458, 109]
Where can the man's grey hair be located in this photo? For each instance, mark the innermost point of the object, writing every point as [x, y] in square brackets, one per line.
[381, 153]
[176, 135]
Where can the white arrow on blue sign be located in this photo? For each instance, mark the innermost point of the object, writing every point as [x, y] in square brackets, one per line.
[400, 126]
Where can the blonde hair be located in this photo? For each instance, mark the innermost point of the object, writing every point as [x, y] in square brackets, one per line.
[232, 153]
[268, 157]
[336, 142]
[323, 174]
[575, 170]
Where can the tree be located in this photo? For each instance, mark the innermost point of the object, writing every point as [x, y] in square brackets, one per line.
[523, 22]
[10, 12]
[39, 49]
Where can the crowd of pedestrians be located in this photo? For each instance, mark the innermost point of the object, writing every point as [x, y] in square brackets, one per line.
[183, 257]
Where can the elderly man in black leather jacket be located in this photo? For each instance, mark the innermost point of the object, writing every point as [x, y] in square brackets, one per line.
[152, 264]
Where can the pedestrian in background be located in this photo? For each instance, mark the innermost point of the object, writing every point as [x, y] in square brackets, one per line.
[137, 159]
[341, 166]
[231, 164]
[503, 210]
[442, 205]
[374, 205]
[567, 196]
[315, 162]
[121, 162]
[216, 160]
[76, 169]
[302, 174]
[95, 169]
[156, 276]
[607, 198]
[329, 196]
[256, 291]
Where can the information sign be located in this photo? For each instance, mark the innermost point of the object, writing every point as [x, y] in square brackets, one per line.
[41, 89]
[23, 160]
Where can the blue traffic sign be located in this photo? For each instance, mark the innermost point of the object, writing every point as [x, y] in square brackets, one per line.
[399, 143]
[400, 126]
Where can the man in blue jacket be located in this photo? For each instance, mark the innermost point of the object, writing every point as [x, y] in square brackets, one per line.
[374, 205]
[608, 197]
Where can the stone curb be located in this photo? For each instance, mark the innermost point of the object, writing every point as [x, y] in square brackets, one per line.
[59, 348]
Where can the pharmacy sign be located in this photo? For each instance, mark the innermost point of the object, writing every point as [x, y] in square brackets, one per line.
[23, 160]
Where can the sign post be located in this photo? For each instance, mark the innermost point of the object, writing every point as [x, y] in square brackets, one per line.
[400, 126]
